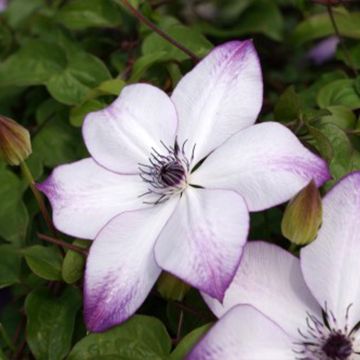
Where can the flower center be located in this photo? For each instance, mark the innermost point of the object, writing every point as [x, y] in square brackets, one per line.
[324, 339]
[338, 347]
[166, 173]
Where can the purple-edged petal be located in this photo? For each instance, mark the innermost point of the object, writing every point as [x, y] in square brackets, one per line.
[220, 96]
[202, 242]
[85, 196]
[331, 264]
[244, 333]
[265, 163]
[270, 279]
[123, 134]
[121, 269]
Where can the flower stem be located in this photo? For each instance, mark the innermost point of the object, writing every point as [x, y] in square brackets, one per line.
[341, 40]
[153, 27]
[38, 197]
[63, 244]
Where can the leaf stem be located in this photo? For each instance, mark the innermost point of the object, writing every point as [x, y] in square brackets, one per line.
[341, 40]
[63, 244]
[153, 27]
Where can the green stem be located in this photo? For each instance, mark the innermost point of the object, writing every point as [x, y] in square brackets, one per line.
[38, 197]
[153, 27]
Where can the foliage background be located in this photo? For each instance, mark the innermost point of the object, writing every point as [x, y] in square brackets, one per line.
[61, 59]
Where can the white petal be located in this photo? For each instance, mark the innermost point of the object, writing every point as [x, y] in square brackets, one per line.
[331, 264]
[266, 164]
[270, 279]
[202, 242]
[85, 196]
[244, 333]
[122, 135]
[220, 96]
[121, 269]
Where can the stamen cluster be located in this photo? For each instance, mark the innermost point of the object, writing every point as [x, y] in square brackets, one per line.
[167, 173]
[324, 340]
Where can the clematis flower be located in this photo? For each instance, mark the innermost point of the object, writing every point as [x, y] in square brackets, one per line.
[3, 5]
[151, 201]
[284, 308]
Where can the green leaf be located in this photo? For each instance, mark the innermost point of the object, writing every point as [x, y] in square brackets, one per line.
[19, 10]
[339, 92]
[10, 262]
[51, 322]
[78, 113]
[340, 116]
[83, 72]
[33, 64]
[58, 143]
[346, 157]
[191, 39]
[262, 17]
[188, 342]
[73, 264]
[141, 337]
[81, 14]
[68, 74]
[44, 261]
[322, 143]
[14, 217]
[319, 25]
[288, 107]
[143, 63]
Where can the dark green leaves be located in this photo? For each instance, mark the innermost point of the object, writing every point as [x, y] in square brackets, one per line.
[141, 337]
[9, 265]
[81, 14]
[68, 75]
[51, 322]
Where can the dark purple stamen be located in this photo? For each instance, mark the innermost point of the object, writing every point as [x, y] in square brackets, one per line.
[338, 347]
[166, 173]
[172, 174]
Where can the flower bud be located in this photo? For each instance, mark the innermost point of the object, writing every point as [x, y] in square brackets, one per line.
[171, 288]
[15, 145]
[303, 216]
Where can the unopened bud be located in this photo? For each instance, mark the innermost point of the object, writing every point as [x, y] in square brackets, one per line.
[303, 216]
[171, 288]
[15, 145]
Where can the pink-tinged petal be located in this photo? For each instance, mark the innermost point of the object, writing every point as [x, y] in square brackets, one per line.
[220, 96]
[244, 333]
[123, 134]
[202, 242]
[270, 279]
[85, 196]
[121, 269]
[331, 264]
[266, 164]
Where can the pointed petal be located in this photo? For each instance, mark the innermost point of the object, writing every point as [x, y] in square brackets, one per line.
[202, 242]
[244, 333]
[220, 96]
[85, 196]
[270, 279]
[122, 135]
[265, 163]
[121, 269]
[331, 263]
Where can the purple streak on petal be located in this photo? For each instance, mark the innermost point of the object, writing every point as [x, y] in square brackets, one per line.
[324, 50]
[320, 171]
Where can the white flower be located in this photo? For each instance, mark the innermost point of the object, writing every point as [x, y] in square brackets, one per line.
[280, 307]
[151, 201]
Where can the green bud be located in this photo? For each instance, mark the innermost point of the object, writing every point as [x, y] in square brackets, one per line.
[303, 216]
[15, 145]
[171, 288]
[73, 264]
